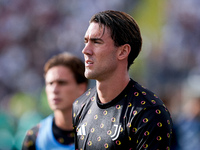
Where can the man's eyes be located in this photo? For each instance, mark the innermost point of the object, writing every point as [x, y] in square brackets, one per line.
[49, 83]
[62, 82]
[58, 82]
[85, 41]
[96, 41]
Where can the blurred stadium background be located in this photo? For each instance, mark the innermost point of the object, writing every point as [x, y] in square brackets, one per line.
[31, 31]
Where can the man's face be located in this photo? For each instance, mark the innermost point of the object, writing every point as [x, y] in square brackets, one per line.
[100, 53]
[61, 88]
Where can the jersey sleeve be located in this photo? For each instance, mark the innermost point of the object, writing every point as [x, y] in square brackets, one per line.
[151, 129]
[30, 138]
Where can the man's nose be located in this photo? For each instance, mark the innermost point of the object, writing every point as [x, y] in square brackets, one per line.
[87, 50]
[55, 88]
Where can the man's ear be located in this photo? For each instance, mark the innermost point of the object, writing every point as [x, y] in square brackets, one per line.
[124, 51]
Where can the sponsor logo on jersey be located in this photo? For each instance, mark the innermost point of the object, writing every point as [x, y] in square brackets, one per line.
[81, 130]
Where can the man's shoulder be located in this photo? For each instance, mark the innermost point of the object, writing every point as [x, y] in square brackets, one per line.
[34, 130]
[82, 104]
[30, 138]
[36, 127]
[85, 97]
[144, 96]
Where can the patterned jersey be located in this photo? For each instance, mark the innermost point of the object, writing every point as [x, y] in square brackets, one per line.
[135, 120]
[46, 135]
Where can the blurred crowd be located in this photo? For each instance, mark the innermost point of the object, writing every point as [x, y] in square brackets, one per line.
[31, 31]
[174, 71]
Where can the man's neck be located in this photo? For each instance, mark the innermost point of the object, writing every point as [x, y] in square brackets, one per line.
[109, 89]
[63, 120]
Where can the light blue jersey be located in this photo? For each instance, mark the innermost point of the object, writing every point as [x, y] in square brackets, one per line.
[45, 139]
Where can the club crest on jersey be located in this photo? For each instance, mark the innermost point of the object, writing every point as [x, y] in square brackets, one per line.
[116, 132]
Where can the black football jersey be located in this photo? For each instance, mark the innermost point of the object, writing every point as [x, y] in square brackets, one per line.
[135, 120]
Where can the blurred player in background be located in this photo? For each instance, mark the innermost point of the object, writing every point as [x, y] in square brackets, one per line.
[65, 81]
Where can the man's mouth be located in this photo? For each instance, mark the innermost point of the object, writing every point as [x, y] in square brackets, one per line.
[88, 62]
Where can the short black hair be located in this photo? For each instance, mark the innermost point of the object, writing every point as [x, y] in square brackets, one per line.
[124, 30]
